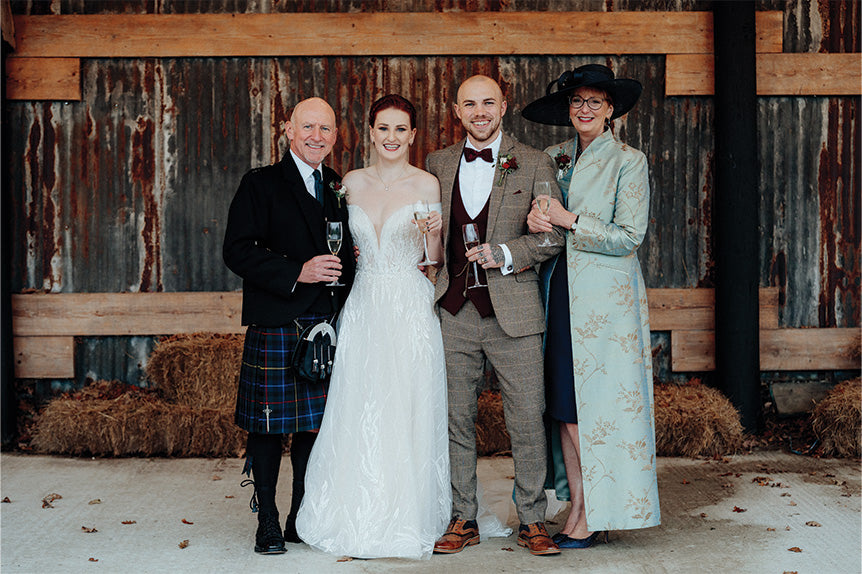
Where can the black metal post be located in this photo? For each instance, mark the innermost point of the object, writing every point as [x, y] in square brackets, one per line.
[736, 209]
[8, 402]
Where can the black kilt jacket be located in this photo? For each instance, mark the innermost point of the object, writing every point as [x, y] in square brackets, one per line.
[274, 226]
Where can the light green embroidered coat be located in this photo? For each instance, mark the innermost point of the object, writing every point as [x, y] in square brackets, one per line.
[609, 189]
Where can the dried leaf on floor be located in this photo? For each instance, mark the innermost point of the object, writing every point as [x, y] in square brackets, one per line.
[89, 530]
[684, 481]
[91, 559]
[5, 499]
[46, 502]
[129, 522]
[791, 503]
[187, 522]
[812, 523]
[183, 544]
[703, 515]
[345, 559]
[738, 509]
[95, 501]
[795, 549]
[785, 494]
[216, 477]
[228, 495]
[770, 530]
[507, 549]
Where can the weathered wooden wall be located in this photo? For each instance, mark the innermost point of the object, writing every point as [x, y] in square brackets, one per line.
[127, 189]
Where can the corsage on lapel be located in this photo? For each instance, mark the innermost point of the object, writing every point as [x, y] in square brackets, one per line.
[506, 164]
[339, 189]
[564, 163]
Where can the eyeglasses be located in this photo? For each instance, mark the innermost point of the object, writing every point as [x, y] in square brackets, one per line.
[594, 104]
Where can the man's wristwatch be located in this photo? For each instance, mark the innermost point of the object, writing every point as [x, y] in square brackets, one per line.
[574, 223]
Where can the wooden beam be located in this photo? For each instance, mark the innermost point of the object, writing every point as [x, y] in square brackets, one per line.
[43, 79]
[44, 357]
[105, 314]
[694, 309]
[777, 75]
[376, 34]
[780, 350]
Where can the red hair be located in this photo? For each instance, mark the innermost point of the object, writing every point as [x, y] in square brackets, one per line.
[392, 101]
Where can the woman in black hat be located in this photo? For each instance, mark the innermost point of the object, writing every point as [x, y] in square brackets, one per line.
[598, 366]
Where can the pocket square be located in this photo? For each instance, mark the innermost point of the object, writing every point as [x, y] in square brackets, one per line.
[517, 192]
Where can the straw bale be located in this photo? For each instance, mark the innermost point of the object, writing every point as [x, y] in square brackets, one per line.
[491, 434]
[197, 369]
[836, 420]
[695, 420]
[114, 419]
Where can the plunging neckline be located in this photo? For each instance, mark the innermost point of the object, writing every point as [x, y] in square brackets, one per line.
[385, 221]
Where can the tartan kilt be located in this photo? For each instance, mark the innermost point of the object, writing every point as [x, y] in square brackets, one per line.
[267, 380]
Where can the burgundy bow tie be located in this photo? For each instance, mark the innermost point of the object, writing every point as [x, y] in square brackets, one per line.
[470, 154]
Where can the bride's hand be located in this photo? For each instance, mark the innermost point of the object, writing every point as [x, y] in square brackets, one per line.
[434, 225]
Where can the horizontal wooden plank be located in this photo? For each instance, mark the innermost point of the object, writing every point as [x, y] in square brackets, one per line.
[376, 34]
[103, 314]
[780, 350]
[43, 79]
[44, 357]
[100, 314]
[777, 75]
[693, 309]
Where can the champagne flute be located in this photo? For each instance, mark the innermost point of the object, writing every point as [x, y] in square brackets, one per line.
[471, 240]
[333, 241]
[543, 200]
[421, 211]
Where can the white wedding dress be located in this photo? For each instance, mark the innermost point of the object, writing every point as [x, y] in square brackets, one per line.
[378, 477]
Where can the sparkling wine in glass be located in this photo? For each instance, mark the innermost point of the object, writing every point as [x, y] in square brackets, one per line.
[543, 200]
[471, 240]
[333, 241]
[421, 211]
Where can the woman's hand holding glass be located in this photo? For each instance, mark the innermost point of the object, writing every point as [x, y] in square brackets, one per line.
[539, 222]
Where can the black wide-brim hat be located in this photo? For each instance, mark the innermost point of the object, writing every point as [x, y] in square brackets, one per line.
[553, 108]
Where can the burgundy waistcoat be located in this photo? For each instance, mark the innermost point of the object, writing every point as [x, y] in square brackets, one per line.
[455, 297]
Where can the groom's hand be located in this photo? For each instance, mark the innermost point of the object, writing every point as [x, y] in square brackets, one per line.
[487, 255]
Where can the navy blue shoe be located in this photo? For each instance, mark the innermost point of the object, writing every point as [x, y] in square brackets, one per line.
[568, 542]
[558, 537]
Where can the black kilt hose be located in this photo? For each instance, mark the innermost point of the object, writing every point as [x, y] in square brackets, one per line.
[270, 400]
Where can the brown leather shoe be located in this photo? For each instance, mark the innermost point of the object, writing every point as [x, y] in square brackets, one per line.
[535, 538]
[459, 534]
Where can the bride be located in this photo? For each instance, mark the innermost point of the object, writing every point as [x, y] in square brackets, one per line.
[377, 482]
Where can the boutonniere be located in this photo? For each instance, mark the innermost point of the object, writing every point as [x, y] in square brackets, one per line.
[564, 162]
[506, 164]
[339, 189]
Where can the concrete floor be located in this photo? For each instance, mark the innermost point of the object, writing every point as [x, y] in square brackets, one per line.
[703, 529]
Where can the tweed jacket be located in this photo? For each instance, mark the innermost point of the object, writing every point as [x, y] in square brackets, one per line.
[274, 226]
[515, 297]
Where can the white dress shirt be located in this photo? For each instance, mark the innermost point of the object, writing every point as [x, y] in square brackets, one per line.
[475, 179]
[306, 172]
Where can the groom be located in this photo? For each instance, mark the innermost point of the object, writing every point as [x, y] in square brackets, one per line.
[489, 179]
[275, 241]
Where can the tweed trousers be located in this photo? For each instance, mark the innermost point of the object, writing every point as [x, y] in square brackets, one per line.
[468, 339]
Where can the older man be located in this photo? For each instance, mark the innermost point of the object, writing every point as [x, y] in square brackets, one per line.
[275, 240]
[489, 179]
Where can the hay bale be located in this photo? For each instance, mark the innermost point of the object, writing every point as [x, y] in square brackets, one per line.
[695, 420]
[491, 434]
[836, 420]
[198, 369]
[115, 419]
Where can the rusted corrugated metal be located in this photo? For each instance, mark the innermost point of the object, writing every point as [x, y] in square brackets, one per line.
[128, 189]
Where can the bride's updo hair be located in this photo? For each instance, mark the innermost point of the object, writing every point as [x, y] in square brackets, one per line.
[392, 101]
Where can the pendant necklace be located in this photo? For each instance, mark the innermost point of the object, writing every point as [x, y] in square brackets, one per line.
[387, 187]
